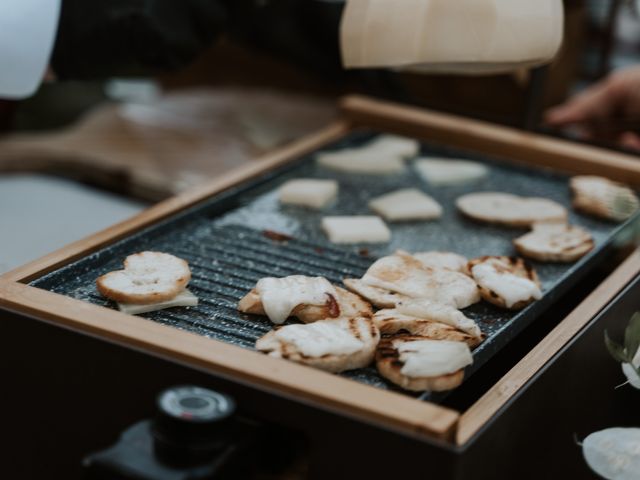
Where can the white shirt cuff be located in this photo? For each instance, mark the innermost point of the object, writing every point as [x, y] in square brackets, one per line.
[27, 33]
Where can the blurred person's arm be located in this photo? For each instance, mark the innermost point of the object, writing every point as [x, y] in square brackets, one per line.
[613, 99]
[27, 31]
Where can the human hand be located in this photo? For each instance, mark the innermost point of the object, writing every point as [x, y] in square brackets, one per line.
[615, 98]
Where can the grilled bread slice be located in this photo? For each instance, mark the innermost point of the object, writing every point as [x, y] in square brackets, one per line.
[401, 275]
[507, 282]
[392, 322]
[333, 345]
[345, 304]
[380, 297]
[418, 364]
[447, 260]
[436, 312]
[147, 278]
[510, 210]
[603, 198]
[555, 242]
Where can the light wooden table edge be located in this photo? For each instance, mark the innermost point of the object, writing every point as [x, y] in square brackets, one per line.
[472, 420]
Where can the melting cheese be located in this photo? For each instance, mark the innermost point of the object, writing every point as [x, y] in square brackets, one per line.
[405, 275]
[432, 358]
[427, 310]
[279, 296]
[183, 299]
[326, 337]
[510, 287]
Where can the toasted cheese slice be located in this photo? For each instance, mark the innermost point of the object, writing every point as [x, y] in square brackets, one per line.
[402, 274]
[443, 172]
[183, 299]
[333, 345]
[356, 229]
[279, 296]
[505, 281]
[437, 312]
[417, 364]
[308, 192]
[446, 260]
[431, 358]
[392, 322]
[406, 204]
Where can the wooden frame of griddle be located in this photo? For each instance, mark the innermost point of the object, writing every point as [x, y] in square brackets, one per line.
[323, 390]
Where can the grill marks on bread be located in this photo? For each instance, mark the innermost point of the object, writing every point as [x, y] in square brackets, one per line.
[333, 345]
[507, 282]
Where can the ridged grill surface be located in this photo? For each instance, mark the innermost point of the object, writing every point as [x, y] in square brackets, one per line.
[222, 239]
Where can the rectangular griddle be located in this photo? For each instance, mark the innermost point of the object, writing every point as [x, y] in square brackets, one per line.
[220, 229]
[227, 243]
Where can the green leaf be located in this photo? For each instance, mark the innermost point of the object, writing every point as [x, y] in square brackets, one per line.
[617, 351]
[632, 335]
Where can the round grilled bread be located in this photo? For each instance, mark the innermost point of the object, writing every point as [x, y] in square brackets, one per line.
[390, 322]
[361, 328]
[510, 210]
[603, 198]
[346, 304]
[389, 365]
[380, 297]
[148, 277]
[509, 267]
[555, 242]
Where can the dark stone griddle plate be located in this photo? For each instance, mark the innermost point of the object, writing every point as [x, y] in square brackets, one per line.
[222, 238]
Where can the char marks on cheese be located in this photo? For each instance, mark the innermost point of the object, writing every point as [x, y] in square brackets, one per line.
[392, 322]
[334, 345]
[506, 282]
[402, 275]
[445, 260]
[437, 312]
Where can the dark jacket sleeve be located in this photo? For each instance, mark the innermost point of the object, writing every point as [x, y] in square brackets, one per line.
[100, 38]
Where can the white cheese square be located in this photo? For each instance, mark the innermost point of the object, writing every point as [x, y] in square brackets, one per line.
[361, 161]
[308, 192]
[183, 299]
[445, 171]
[406, 204]
[356, 229]
[395, 145]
